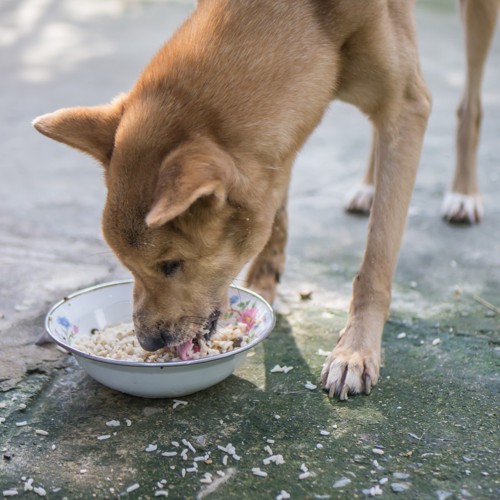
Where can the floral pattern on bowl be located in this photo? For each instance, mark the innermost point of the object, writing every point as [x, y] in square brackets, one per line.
[242, 311]
[68, 330]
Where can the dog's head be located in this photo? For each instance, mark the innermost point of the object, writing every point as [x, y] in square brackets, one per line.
[173, 215]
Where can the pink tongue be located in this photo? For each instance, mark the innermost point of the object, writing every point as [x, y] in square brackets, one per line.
[183, 349]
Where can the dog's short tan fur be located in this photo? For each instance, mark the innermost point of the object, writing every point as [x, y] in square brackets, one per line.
[197, 158]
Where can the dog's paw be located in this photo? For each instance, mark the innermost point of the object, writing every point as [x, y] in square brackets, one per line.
[461, 208]
[360, 200]
[348, 372]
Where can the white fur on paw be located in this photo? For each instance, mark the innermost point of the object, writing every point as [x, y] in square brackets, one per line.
[360, 199]
[346, 372]
[459, 207]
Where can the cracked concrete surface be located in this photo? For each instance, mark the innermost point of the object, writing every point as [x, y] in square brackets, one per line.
[428, 430]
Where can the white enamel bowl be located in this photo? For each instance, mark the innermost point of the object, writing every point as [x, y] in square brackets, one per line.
[111, 303]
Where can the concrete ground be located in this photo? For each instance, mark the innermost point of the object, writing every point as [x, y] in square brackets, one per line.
[428, 430]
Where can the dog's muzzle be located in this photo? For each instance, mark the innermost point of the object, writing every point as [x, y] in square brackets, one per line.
[164, 336]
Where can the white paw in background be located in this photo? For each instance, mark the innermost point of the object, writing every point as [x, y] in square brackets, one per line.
[462, 208]
[360, 199]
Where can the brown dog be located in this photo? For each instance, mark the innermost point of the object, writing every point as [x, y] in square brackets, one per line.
[463, 202]
[197, 158]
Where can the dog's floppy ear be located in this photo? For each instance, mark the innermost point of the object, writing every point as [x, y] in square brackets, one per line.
[90, 129]
[194, 170]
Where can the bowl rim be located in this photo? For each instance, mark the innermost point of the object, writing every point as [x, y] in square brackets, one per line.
[163, 364]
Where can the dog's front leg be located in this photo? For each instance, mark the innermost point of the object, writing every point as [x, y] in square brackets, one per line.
[353, 366]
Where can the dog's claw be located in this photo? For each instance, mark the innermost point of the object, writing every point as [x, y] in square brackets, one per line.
[339, 389]
[462, 209]
[344, 393]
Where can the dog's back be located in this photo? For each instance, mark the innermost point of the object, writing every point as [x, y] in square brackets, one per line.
[237, 69]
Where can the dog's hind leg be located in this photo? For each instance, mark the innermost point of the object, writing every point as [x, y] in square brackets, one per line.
[463, 202]
[266, 269]
[360, 200]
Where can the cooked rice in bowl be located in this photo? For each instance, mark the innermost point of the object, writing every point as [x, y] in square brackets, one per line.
[120, 342]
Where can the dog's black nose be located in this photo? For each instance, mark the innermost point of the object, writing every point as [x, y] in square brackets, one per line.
[151, 342]
[156, 339]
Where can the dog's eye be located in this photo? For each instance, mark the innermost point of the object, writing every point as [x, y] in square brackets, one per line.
[169, 267]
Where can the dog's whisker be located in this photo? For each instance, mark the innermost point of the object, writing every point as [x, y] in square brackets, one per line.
[195, 318]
